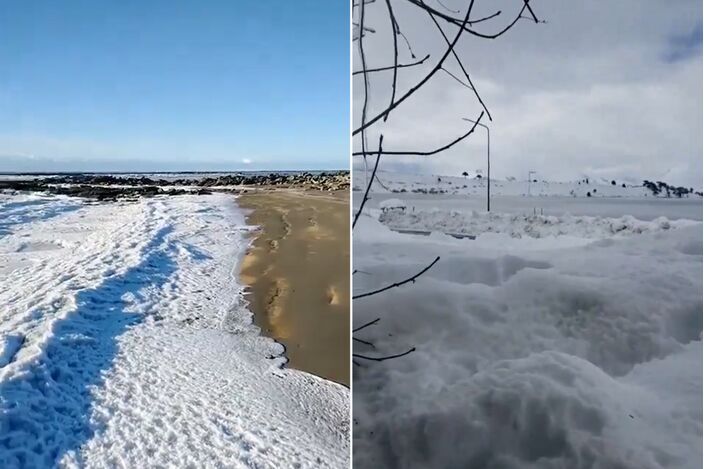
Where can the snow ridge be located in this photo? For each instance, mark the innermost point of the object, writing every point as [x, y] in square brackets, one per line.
[518, 225]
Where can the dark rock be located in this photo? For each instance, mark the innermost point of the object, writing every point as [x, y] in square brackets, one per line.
[105, 187]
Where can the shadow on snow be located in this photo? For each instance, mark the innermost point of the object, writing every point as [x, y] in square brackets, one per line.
[45, 411]
[19, 213]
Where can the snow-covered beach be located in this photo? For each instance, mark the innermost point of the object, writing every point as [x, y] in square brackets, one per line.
[125, 341]
[570, 338]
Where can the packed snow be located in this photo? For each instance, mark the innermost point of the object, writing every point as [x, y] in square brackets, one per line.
[518, 226]
[548, 341]
[125, 341]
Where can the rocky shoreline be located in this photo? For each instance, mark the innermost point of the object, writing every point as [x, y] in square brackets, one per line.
[112, 187]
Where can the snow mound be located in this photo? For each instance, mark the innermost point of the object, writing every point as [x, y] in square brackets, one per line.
[547, 410]
[518, 226]
[577, 355]
[390, 204]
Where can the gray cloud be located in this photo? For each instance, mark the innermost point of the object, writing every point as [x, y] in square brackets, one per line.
[611, 89]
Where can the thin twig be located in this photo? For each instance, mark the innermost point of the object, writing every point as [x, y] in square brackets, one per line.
[366, 2]
[421, 82]
[446, 7]
[363, 342]
[383, 186]
[364, 72]
[395, 75]
[530, 10]
[431, 152]
[457, 79]
[364, 326]
[459, 62]
[463, 24]
[369, 184]
[391, 67]
[397, 284]
[382, 359]
[408, 44]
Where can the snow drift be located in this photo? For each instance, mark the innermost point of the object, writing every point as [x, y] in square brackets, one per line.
[577, 344]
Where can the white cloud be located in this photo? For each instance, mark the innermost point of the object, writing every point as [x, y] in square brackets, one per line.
[596, 90]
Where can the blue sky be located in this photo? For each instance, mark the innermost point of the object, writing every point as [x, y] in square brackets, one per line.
[174, 84]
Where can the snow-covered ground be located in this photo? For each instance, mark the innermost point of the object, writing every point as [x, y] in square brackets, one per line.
[549, 341]
[389, 181]
[125, 341]
[519, 226]
[546, 197]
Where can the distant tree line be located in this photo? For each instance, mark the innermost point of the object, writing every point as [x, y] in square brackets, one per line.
[660, 187]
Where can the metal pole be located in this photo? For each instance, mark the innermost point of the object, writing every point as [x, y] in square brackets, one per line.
[488, 172]
[488, 160]
[366, 177]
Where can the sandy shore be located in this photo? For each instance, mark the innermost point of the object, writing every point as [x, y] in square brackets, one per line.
[298, 273]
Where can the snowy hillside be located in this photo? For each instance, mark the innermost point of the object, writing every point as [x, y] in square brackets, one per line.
[125, 342]
[388, 181]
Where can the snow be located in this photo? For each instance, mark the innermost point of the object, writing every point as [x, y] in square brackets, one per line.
[518, 226]
[24, 208]
[389, 204]
[549, 341]
[125, 341]
[387, 181]
[424, 192]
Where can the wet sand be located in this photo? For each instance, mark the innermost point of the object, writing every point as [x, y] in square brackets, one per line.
[298, 273]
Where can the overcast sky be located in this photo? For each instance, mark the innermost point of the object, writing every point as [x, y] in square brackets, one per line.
[173, 84]
[604, 89]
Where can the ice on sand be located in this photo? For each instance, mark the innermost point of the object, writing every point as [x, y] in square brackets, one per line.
[128, 343]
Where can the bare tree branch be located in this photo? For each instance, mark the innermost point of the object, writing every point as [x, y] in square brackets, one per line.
[387, 357]
[395, 68]
[369, 184]
[364, 71]
[457, 79]
[420, 83]
[408, 44]
[446, 8]
[391, 67]
[463, 24]
[530, 10]
[366, 2]
[397, 284]
[364, 326]
[459, 62]
[363, 342]
[431, 152]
